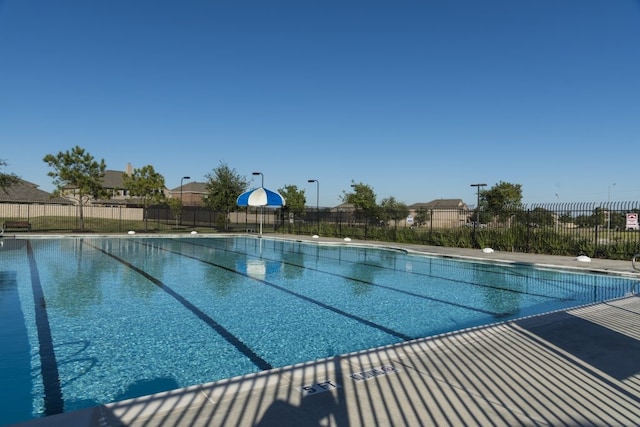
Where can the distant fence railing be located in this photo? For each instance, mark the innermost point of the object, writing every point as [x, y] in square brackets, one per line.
[606, 230]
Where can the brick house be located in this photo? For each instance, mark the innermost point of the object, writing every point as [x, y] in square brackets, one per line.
[191, 193]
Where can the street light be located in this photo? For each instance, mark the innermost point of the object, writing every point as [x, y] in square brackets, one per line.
[182, 179]
[261, 207]
[262, 176]
[317, 201]
[609, 193]
[478, 205]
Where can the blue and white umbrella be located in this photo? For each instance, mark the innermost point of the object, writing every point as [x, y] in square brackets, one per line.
[260, 197]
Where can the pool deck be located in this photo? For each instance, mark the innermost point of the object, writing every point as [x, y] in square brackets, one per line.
[571, 367]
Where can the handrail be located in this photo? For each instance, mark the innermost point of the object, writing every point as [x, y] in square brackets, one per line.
[633, 262]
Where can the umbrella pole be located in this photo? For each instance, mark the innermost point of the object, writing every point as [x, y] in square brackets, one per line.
[261, 215]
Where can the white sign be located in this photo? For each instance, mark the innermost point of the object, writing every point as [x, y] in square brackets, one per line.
[409, 219]
[632, 222]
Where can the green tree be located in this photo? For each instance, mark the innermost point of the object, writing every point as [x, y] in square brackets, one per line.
[7, 180]
[363, 199]
[596, 219]
[541, 217]
[391, 209]
[295, 198]
[78, 174]
[224, 185]
[502, 200]
[147, 185]
[421, 217]
[566, 218]
[175, 205]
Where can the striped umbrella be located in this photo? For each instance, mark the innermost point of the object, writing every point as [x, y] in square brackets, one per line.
[260, 197]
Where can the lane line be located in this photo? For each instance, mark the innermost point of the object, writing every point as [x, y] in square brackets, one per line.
[221, 330]
[53, 399]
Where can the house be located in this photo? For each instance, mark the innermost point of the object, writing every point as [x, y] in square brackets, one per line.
[442, 213]
[28, 192]
[191, 194]
[113, 183]
[439, 213]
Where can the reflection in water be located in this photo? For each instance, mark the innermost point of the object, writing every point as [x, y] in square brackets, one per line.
[293, 265]
[256, 268]
[12, 244]
[503, 292]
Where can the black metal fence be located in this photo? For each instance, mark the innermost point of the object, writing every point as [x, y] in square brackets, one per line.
[604, 230]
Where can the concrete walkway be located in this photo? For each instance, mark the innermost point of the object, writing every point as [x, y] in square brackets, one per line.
[573, 367]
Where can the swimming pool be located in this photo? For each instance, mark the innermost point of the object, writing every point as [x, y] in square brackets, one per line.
[94, 320]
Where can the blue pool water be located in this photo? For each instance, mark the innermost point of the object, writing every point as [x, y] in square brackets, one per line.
[87, 321]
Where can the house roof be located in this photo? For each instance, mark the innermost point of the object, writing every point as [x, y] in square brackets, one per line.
[440, 204]
[112, 179]
[28, 192]
[192, 187]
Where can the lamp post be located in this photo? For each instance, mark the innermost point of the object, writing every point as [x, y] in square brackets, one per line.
[609, 210]
[261, 207]
[317, 201]
[478, 205]
[181, 206]
[262, 176]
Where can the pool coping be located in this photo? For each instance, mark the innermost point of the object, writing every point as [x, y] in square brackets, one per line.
[395, 378]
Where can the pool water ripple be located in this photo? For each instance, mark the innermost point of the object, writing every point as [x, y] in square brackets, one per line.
[133, 316]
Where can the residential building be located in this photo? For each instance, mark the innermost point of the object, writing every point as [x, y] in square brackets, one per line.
[28, 192]
[442, 213]
[191, 193]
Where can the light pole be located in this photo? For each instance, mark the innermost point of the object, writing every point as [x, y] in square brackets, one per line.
[317, 201]
[262, 176]
[478, 205]
[181, 207]
[261, 207]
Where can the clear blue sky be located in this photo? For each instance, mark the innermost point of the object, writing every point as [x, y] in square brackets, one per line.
[418, 99]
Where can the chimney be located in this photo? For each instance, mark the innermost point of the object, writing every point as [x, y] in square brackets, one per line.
[129, 170]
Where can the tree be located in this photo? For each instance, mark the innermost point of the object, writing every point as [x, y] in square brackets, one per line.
[566, 218]
[7, 180]
[541, 217]
[223, 188]
[77, 172]
[421, 217]
[363, 199]
[502, 200]
[175, 205]
[295, 198]
[394, 210]
[147, 185]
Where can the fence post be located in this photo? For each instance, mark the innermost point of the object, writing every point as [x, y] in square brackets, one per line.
[431, 220]
[528, 230]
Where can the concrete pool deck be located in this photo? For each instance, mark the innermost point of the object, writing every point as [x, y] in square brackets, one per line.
[572, 367]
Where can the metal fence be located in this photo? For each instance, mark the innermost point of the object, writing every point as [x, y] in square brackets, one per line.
[604, 230]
